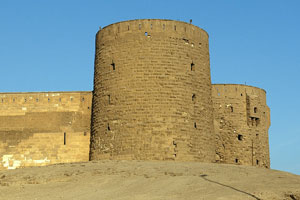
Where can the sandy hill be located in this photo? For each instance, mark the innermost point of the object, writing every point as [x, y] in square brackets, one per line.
[134, 180]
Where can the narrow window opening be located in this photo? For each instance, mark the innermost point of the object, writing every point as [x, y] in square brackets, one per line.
[128, 27]
[195, 125]
[140, 26]
[252, 121]
[37, 100]
[192, 66]
[255, 109]
[25, 100]
[146, 33]
[113, 65]
[84, 133]
[257, 162]
[14, 100]
[164, 26]
[108, 127]
[200, 44]
[82, 99]
[184, 29]
[193, 97]
[241, 94]
[65, 138]
[48, 99]
[88, 107]
[108, 98]
[240, 137]
[236, 160]
[257, 121]
[175, 27]
[174, 143]
[231, 108]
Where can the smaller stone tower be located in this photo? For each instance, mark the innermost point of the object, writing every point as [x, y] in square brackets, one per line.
[241, 121]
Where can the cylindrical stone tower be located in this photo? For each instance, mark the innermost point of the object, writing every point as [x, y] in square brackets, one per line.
[242, 121]
[152, 92]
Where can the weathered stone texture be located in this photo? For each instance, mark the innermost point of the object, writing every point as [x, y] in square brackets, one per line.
[152, 92]
[40, 128]
[242, 120]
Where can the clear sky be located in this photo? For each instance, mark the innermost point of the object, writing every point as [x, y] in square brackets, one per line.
[49, 46]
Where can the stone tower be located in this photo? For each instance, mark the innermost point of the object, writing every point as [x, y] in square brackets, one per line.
[242, 121]
[152, 92]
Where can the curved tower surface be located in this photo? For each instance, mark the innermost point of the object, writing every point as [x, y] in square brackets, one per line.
[242, 121]
[152, 92]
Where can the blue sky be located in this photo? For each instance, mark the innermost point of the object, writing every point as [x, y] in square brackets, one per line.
[49, 46]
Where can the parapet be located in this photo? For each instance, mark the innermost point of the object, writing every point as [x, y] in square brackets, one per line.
[152, 26]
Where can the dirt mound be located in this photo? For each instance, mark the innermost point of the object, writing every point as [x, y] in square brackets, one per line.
[134, 180]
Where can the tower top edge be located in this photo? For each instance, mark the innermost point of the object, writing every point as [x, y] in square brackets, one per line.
[241, 85]
[46, 92]
[148, 20]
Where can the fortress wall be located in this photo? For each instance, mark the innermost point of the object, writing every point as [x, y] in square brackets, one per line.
[152, 92]
[152, 100]
[241, 120]
[41, 128]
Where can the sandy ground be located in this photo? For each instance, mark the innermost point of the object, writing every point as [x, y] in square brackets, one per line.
[154, 180]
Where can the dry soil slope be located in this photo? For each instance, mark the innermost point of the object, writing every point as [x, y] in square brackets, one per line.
[148, 180]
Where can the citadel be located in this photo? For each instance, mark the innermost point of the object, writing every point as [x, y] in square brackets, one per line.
[152, 100]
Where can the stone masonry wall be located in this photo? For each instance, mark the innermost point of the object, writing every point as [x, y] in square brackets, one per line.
[40, 128]
[241, 120]
[152, 92]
